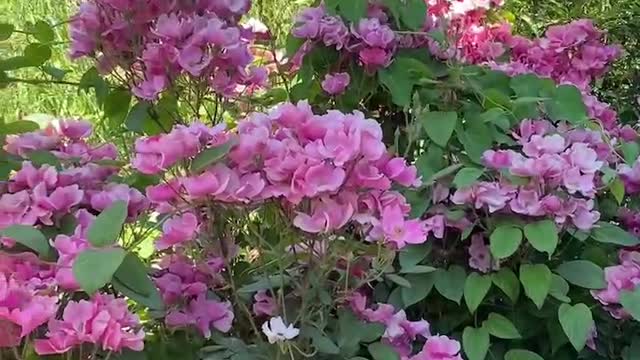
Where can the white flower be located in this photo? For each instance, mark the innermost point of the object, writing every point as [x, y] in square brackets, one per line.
[276, 330]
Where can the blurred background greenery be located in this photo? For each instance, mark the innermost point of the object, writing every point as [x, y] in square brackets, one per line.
[621, 19]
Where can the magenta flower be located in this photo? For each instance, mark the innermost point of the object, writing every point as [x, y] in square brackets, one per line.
[336, 83]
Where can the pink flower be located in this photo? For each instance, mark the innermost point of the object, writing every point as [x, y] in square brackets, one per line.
[212, 182]
[178, 230]
[480, 256]
[373, 33]
[28, 177]
[394, 229]
[203, 314]
[327, 215]
[439, 348]
[374, 58]
[397, 170]
[75, 129]
[264, 305]
[336, 84]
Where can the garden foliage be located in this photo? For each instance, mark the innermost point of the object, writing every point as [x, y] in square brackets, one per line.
[407, 180]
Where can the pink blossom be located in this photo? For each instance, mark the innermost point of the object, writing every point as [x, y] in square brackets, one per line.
[394, 229]
[204, 315]
[178, 230]
[264, 305]
[212, 182]
[327, 214]
[439, 348]
[480, 256]
[75, 129]
[336, 84]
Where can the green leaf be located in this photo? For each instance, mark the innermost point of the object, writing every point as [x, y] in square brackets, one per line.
[353, 10]
[476, 139]
[398, 280]
[6, 30]
[611, 234]
[37, 54]
[617, 190]
[210, 156]
[559, 288]
[421, 286]
[630, 301]
[567, 104]
[475, 343]
[412, 255]
[508, 282]
[577, 322]
[542, 235]
[54, 72]
[413, 14]
[106, 228]
[43, 32]
[467, 177]
[94, 268]
[42, 157]
[138, 116]
[582, 273]
[439, 125]
[505, 241]
[19, 127]
[380, 351]
[399, 83]
[501, 327]
[536, 280]
[322, 343]
[28, 236]
[153, 301]
[529, 85]
[519, 354]
[418, 269]
[450, 283]
[476, 288]
[133, 273]
[631, 151]
[116, 106]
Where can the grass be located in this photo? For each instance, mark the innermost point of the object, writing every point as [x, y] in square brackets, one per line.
[20, 100]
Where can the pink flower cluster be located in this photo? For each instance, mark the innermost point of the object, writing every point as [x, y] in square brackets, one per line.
[334, 168]
[103, 320]
[630, 175]
[48, 195]
[184, 288]
[159, 42]
[622, 277]
[401, 333]
[480, 256]
[562, 168]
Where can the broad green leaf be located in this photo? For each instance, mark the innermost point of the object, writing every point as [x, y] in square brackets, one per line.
[476, 139]
[106, 228]
[399, 83]
[631, 151]
[210, 156]
[630, 301]
[467, 177]
[380, 351]
[322, 343]
[542, 235]
[536, 280]
[37, 54]
[501, 327]
[611, 234]
[439, 125]
[138, 116]
[519, 354]
[153, 301]
[421, 286]
[94, 268]
[617, 190]
[28, 236]
[418, 269]
[134, 274]
[398, 280]
[559, 288]
[475, 343]
[116, 106]
[353, 10]
[505, 241]
[56, 73]
[6, 30]
[476, 288]
[450, 283]
[508, 282]
[412, 255]
[567, 104]
[577, 322]
[43, 157]
[19, 127]
[529, 85]
[582, 273]
[43, 32]
[413, 14]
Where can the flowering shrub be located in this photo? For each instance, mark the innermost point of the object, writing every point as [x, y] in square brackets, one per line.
[434, 158]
